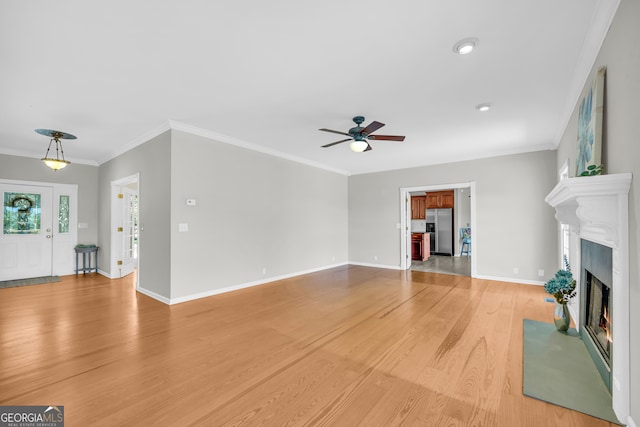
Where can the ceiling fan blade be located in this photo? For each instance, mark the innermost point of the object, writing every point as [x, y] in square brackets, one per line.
[369, 148]
[373, 126]
[387, 137]
[335, 131]
[337, 142]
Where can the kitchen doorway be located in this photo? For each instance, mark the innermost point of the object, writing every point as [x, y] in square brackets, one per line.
[452, 263]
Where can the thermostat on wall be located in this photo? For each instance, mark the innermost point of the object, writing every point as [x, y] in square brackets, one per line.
[191, 202]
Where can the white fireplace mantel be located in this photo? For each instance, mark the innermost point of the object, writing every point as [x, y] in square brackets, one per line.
[597, 209]
[592, 205]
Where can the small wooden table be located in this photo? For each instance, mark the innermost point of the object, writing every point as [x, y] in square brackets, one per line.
[86, 252]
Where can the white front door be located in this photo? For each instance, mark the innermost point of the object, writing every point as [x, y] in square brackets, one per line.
[27, 231]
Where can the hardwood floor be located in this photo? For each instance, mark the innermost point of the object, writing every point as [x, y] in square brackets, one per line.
[347, 346]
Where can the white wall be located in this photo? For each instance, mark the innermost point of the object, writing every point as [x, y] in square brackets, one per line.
[253, 212]
[462, 213]
[620, 53]
[515, 228]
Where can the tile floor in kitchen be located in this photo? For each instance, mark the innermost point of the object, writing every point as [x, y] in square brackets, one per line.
[457, 265]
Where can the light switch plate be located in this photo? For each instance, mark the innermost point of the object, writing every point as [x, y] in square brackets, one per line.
[191, 202]
[183, 227]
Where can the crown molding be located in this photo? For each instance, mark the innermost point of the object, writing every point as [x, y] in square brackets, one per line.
[145, 137]
[226, 139]
[598, 28]
[31, 155]
[216, 136]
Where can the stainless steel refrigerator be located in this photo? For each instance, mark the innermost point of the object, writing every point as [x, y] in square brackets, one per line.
[442, 220]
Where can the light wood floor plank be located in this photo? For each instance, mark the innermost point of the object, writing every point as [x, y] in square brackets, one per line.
[343, 347]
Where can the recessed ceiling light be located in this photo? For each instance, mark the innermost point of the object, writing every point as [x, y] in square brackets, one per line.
[483, 107]
[465, 46]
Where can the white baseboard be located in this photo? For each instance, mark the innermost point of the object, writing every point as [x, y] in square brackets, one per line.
[105, 274]
[511, 279]
[144, 291]
[366, 264]
[154, 295]
[244, 285]
[178, 300]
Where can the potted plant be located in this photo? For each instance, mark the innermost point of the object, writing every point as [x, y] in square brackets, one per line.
[563, 287]
[593, 170]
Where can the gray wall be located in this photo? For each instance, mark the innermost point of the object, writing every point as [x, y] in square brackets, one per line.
[153, 161]
[86, 177]
[515, 228]
[253, 212]
[620, 53]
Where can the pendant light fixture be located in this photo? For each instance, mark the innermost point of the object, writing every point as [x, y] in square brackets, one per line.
[58, 162]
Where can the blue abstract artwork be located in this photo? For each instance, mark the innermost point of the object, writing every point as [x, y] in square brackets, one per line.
[590, 117]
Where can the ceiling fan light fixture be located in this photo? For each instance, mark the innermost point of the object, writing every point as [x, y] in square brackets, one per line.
[483, 107]
[358, 135]
[465, 46]
[358, 146]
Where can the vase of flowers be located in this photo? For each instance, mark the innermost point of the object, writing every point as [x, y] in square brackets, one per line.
[563, 287]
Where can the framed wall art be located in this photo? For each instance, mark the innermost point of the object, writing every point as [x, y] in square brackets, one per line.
[590, 125]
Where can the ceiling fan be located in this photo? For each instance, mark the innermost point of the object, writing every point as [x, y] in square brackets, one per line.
[362, 135]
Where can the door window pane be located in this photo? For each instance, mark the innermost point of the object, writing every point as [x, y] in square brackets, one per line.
[63, 215]
[21, 213]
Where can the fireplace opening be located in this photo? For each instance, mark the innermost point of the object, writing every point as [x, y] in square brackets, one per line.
[596, 305]
[598, 314]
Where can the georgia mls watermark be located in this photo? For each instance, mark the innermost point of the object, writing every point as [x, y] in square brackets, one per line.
[32, 416]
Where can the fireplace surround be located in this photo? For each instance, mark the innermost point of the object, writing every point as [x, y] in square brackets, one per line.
[596, 305]
[597, 210]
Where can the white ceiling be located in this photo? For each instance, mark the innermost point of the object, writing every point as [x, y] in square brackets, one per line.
[269, 74]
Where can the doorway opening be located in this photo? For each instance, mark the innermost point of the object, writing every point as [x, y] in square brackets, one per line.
[125, 230]
[458, 259]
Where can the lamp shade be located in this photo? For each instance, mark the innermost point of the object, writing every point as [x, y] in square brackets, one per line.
[358, 146]
[55, 164]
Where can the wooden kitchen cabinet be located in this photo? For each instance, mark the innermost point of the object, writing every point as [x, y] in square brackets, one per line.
[439, 199]
[418, 207]
[432, 200]
[447, 199]
[416, 246]
[420, 246]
